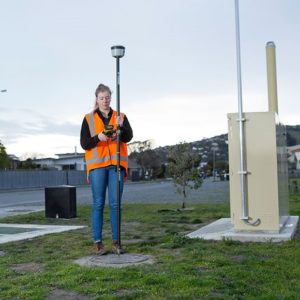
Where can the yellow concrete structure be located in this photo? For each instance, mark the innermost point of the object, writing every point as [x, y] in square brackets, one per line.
[258, 170]
[267, 171]
[272, 77]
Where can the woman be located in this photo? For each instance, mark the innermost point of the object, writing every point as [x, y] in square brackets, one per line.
[98, 139]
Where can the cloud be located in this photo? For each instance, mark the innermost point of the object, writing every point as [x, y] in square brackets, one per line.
[24, 130]
[170, 120]
[49, 144]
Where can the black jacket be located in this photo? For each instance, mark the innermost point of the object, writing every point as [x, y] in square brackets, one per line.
[88, 142]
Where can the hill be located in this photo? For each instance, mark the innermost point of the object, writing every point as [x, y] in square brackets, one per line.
[218, 144]
[207, 148]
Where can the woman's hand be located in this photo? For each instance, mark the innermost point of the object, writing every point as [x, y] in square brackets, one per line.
[102, 137]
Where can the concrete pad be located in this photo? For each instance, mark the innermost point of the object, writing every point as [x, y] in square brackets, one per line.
[19, 210]
[17, 232]
[223, 229]
[115, 261]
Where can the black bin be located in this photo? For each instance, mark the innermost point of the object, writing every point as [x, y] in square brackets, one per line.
[60, 202]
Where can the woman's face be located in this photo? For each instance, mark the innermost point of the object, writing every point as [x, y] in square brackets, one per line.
[103, 100]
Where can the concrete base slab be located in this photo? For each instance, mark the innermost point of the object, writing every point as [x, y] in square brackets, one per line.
[19, 210]
[17, 232]
[222, 229]
[115, 261]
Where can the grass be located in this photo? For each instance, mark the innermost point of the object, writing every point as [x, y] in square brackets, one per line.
[184, 268]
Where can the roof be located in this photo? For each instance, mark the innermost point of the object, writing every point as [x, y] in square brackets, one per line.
[295, 148]
[13, 157]
[74, 154]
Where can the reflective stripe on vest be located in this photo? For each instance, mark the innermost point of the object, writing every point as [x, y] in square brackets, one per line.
[92, 129]
[106, 158]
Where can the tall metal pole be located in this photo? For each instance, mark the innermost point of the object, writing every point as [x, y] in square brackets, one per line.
[243, 171]
[118, 52]
[214, 163]
[241, 119]
[118, 154]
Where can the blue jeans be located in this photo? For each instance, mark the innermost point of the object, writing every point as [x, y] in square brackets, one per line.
[101, 179]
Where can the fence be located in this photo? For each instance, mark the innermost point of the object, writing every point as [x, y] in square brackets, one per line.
[40, 179]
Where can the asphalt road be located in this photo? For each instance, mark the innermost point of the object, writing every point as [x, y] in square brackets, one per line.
[18, 201]
[165, 192]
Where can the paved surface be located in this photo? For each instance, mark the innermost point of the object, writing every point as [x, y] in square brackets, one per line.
[223, 229]
[17, 232]
[23, 201]
[165, 192]
[19, 209]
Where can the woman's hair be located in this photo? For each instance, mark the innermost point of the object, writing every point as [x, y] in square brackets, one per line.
[101, 88]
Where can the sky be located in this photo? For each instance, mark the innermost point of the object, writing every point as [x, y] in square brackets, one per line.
[178, 78]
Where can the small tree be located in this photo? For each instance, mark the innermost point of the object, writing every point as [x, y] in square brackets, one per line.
[4, 158]
[182, 168]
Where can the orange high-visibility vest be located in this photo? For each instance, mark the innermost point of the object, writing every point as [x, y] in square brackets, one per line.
[105, 153]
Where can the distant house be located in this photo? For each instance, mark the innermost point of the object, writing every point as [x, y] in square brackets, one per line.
[297, 156]
[294, 156]
[293, 149]
[65, 161]
[135, 171]
[76, 161]
[71, 161]
[14, 161]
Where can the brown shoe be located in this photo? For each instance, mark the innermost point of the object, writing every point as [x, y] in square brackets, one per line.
[116, 249]
[100, 250]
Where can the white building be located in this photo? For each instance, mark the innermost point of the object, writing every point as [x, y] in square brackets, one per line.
[297, 156]
[65, 161]
[294, 155]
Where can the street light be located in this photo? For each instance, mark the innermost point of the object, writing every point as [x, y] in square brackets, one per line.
[118, 52]
[3, 91]
[214, 162]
